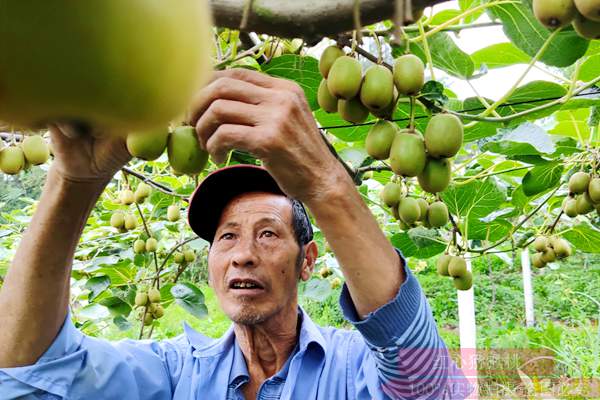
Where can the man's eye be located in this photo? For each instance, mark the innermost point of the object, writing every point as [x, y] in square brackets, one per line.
[267, 234]
[227, 236]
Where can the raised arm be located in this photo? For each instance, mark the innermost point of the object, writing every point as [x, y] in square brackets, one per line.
[270, 118]
[35, 294]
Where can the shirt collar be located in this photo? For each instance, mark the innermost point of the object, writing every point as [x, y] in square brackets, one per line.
[206, 347]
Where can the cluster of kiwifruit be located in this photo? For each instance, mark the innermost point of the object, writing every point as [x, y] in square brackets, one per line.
[549, 249]
[186, 156]
[186, 255]
[346, 91]
[455, 267]
[410, 154]
[584, 195]
[411, 211]
[33, 150]
[150, 300]
[149, 245]
[584, 15]
[124, 221]
[326, 272]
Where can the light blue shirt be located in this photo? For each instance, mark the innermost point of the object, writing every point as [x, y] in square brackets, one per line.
[394, 353]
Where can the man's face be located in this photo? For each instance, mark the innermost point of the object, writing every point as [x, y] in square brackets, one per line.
[253, 260]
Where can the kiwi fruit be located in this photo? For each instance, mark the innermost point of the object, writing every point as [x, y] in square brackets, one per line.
[403, 225]
[377, 90]
[540, 243]
[151, 245]
[409, 74]
[554, 13]
[173, 213]
[148, 145]
[328, 57]
[345, 78]
[586, 28]
[391, 194]
[148, 319]
[424, 207]
[185, 154]
[444, 136]
[127, 197]
[325, 272]
[537, 260]
[409, 210]
[380, 138]
[436, 175]
[142, 192]
[117, 220]
[178, 257]
[326, 100]
[154, 295]
[336, 283]
[139, 246]
[457, 267]
[442, 264]
[352, 110]
[407, 155]
[590, 9]
[562, 248]
[12, 160]
[141, 299]
[464, 282]
[388, 112]
[594, 190]
[158, 311]
[438, 214]
[570, 207]
[130, 222]
[189, 255]
[579, 182]
[584, 204]
[548, 255]
[35, 149]
[397, 215]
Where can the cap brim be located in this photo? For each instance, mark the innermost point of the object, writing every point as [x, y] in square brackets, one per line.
[218, 188]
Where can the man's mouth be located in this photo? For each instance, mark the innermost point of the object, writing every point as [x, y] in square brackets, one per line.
[245, 285]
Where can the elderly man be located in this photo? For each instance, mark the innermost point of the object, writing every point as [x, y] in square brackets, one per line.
[260, 247]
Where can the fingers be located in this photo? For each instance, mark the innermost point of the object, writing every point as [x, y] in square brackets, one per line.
[228, 137]
[228, 89]
[223, 112]
[259, 79]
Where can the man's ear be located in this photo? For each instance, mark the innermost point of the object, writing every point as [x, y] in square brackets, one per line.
[311, 252]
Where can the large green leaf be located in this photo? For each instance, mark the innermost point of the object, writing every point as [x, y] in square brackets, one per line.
[302, 70]
[524, 30]
[116, 306]
[484, 230]
[584, 237]
[317, 289]
[475, 199]
[97, 285]
[572, 123]
[447, 56]
[408, 247]
[542, 177]
[589, 68]
[526, 140]
[190, 298]
[499, 55]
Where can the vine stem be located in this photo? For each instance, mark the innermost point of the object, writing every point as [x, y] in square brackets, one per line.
[357, 23]
[453, 28]
[379, 49]
[514, 87]
[521, 114]
[426, 48]
[160, 187]
[459, 17]
[516, 227]
[245, 53]
[469, 179]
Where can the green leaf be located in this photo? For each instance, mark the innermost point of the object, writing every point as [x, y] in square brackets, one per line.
[93, 311]
[584, 237]
[423, 237]
[122, 323]
[343, 130]
[542, 178]
[492, 230]
[404, 243]
[476, 199]
[317, 289]
[524, 30]
[444, 16]
[302, 70]
[572, 123]
[480, 130]
[499, 55]
[470, 4]
[589, 68]
[447, 56]
[116, 306]
[190, 298]
[526, 140]
[97, 285]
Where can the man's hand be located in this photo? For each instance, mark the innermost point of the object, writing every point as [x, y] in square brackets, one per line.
[270, 118]
[84, 158]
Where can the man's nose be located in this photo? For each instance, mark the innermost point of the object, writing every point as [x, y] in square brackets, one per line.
[245, 254]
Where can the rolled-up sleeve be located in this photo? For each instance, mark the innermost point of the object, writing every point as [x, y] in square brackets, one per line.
[79, 366]
[401, 349]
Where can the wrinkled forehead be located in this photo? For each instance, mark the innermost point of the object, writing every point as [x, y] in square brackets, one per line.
[252, 207]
